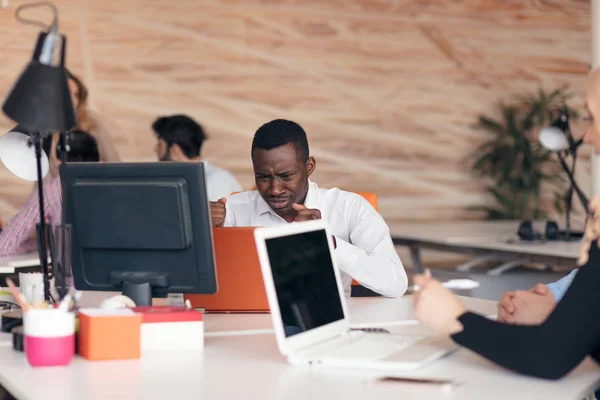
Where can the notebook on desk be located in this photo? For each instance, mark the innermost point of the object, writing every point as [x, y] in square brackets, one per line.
[240, 287]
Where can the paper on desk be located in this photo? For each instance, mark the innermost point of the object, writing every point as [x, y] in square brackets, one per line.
[101, 312]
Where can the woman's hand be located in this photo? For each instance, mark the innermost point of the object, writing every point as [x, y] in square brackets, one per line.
[436, 306]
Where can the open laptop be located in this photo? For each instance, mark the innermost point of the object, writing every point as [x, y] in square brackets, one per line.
[239, 279]
[308, 306]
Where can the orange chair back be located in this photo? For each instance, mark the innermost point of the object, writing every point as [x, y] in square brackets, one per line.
[371, 198]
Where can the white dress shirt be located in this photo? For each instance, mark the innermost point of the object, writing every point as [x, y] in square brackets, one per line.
[364, 250]
[219, 182]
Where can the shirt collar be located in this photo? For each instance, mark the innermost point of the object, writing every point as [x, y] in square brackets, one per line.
[207, 167]
[310, 201]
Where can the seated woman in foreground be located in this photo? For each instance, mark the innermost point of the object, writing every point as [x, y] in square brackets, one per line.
[569, 334]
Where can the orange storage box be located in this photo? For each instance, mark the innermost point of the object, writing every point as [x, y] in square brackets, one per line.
[109, 334]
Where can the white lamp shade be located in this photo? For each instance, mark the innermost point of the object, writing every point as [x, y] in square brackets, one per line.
[19, 157]
[553, 139]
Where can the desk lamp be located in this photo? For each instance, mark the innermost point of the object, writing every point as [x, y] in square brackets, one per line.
[558, 139]
[40, 101]
[18, 155]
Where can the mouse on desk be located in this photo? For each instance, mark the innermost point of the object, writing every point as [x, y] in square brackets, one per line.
[117, 302]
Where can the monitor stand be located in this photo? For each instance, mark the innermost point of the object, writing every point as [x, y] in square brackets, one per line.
[139, 286]
[140, 293]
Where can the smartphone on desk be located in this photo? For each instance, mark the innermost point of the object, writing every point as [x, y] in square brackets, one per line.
[444, 384]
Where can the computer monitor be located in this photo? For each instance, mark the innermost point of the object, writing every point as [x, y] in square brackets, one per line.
[140, 228]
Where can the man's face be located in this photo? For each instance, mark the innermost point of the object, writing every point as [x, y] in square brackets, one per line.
[281, 177]
[162, 150]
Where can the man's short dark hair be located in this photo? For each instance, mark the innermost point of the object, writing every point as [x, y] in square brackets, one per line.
[280, 132]
[81, 147]
[182, 131]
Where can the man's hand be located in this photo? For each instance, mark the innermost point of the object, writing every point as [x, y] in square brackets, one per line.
[218, 212]
[506, 308]
[305, 214]
[530, 307]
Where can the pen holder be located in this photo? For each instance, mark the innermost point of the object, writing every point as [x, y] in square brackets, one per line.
[49, 337]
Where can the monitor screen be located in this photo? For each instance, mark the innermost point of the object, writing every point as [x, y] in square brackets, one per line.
[305, 283]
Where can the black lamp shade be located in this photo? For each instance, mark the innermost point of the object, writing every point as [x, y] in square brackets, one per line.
[40, 99]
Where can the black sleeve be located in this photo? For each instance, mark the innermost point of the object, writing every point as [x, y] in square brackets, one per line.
[552, 349]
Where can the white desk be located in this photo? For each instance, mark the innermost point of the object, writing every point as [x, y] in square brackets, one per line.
[483, 238]
[250, 367]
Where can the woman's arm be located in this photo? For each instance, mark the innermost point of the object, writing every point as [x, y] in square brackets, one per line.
[552, 349]
[19, 234]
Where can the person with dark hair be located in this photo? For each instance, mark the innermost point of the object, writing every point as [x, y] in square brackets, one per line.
[19, 234]
[80, 147]
[282, 168]
[180, 138]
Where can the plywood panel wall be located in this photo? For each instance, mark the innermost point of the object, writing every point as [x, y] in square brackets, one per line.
[387, 90]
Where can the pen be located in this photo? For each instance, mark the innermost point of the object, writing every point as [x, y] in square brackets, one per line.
[454, 284]
[65, 303]
[13, 289]
[444, 384]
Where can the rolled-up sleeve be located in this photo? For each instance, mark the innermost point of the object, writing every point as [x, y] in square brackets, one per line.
[559, 287]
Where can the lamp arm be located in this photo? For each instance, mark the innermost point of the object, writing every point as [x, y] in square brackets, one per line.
[42, 248]
[582, 197]
[28, 21]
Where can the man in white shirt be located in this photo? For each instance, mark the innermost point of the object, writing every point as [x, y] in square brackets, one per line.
[180, 138]
[282, 167]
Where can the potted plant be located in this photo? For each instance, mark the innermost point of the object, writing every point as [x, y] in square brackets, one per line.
[516, 167]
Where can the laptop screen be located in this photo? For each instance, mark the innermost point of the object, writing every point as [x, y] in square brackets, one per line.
[304, 281]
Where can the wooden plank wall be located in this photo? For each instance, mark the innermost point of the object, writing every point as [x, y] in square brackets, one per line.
[387, 90]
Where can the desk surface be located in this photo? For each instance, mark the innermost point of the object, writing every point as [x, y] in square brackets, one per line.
[250, 366]
[484, 235]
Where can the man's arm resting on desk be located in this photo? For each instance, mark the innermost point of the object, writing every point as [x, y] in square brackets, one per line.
[531, 307]
[371, 258]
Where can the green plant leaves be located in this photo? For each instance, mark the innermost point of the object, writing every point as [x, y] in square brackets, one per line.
[519, 166]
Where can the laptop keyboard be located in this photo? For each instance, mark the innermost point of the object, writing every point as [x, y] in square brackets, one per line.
[363, 347]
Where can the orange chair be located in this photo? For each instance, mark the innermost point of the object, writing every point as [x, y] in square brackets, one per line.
[253, 188]
[371, 198]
